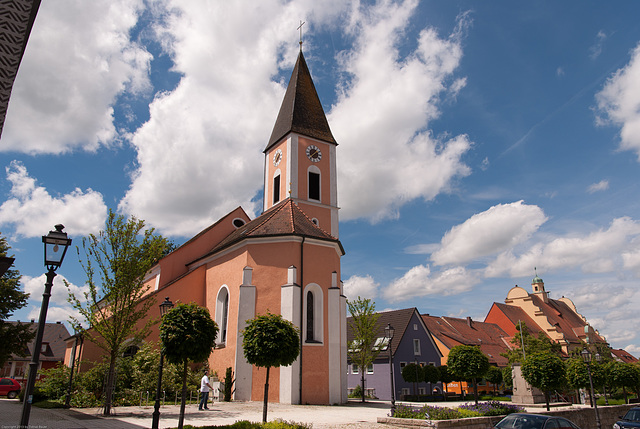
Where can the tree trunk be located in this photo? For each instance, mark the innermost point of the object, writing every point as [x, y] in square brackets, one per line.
[266, 398]
[475, 391]
[183, 401]
[111, 378]
[362, 383]
[546, 399]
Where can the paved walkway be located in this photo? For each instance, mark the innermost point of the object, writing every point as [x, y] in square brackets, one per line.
[351, 415]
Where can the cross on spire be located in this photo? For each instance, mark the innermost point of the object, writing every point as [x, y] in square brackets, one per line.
[300, 28]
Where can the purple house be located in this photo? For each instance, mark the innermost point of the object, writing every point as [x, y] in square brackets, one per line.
[411, 343]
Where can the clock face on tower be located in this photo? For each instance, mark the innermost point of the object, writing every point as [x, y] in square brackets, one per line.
[277, 157]
[313, 153]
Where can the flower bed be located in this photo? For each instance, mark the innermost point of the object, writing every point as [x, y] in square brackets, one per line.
[430, 412]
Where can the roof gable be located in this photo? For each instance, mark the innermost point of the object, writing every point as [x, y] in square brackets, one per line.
[301, 110]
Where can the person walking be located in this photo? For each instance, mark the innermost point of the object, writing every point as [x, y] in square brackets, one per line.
[204, 388]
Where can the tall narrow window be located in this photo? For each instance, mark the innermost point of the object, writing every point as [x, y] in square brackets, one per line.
[416, 347]
[225, 315]
[276, 189]
[310, 337]
[222, 314]
[314, 186]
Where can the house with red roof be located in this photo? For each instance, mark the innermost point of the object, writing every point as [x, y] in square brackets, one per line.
[556, 318]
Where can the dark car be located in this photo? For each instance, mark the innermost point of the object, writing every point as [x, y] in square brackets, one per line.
[9, 387]
[534, 421]
[629, 420]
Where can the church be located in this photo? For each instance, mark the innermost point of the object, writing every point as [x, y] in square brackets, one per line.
[286, 261]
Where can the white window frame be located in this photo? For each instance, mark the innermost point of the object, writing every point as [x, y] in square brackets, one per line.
[316, 170]
[355, 369]
[416, 347]
[220, 313]
[318, 315]
[370, 369]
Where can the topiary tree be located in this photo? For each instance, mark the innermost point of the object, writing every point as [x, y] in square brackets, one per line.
[187, 332]
[624, 375]
[269, 340]
[430, 374]
[412, 373]
[445, 377]
[546, 371]
[468, 363]
[494, 376]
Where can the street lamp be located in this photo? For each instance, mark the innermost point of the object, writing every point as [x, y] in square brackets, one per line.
[55, 247]
[586, 356]
[389, 331]
[164, 308]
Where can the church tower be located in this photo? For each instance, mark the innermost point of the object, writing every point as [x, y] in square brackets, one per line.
[300, 158]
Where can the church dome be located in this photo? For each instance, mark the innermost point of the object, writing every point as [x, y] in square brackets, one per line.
[536, 279]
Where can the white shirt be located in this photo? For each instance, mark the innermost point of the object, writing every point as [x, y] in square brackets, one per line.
[204, 383]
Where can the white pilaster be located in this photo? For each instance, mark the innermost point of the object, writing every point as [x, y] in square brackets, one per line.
[290, 310]
[335, 339]
[246, 311]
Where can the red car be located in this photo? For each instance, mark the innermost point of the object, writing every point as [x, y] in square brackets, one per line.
[9, 387]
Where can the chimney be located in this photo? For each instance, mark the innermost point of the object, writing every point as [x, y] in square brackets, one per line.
[469, 322]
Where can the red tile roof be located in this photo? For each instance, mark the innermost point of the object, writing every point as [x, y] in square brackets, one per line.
[624, 356]
[453, 331]
[284, 219]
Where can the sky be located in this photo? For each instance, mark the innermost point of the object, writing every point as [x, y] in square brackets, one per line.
[480, 143]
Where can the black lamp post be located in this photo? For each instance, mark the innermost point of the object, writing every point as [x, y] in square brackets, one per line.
[164, 308]
[586, 356]
[55, 247]
[389, 331]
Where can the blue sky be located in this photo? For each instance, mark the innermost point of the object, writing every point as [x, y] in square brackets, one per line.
[477, 140]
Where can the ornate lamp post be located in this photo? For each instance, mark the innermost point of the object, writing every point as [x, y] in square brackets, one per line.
[389, 331]
[586, 356]
[55, 247]
[164, 308]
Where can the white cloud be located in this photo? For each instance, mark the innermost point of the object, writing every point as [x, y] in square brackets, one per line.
[419, 281]
[359, 286]
[59, 308]
[602, 185]
[619, 102]
[32, 209]
[383, 111]
[596, 252]
[78, 60]
[498, 228]
[596, 49]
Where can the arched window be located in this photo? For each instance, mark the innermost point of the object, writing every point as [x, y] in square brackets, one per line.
[313, 177]
[130, 351]
[222, 314]
[310, 336]
[313, 314]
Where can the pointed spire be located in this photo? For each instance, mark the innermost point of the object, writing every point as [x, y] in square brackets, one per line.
[301, 111]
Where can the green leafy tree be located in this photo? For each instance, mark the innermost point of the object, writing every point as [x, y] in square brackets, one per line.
[507, 376]
[363, 349]
[187, 332]
[445, 377]
[412, 373]
[269, 341]
[119, 256]
[494, 376]
[468, 363]
[13, 336]
[430, 374]
[532, 344]
[546, 371]
[624, 375]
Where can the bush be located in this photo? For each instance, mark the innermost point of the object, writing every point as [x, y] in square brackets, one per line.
[244, 424]
[492, 408]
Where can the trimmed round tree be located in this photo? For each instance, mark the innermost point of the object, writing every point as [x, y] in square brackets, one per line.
[546, 371]
[187, 333]
[412, 373]
[431, 375]
[445, 377]
[468, 363]
[494, 376]
[270, 341]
